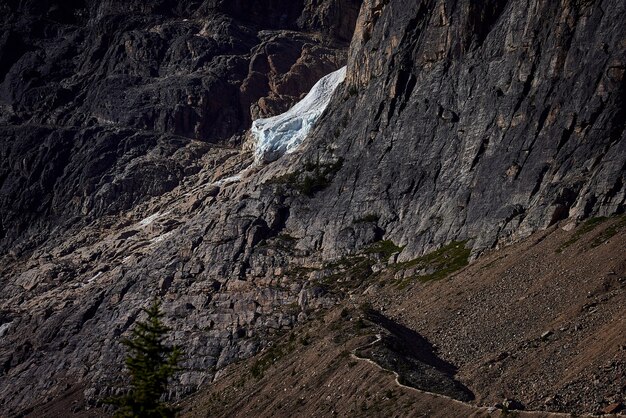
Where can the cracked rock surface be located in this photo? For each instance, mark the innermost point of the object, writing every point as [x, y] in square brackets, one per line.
[459, 121]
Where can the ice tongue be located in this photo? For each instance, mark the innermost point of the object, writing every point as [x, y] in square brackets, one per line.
[283, 133]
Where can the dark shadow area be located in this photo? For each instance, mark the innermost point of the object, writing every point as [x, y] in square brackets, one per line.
[412, 357]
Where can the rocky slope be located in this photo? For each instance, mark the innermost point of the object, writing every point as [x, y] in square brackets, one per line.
[523, 323]
[110, 110]
[102, 84]
[460, 127]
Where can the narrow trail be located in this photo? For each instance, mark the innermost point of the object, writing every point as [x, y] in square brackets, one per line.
[478, 408]
[397, 379]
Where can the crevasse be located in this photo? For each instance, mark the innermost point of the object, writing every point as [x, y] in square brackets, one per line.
[283, 133]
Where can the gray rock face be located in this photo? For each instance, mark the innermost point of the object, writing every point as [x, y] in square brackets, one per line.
[102, 84]
[483, 123]
[456, 122]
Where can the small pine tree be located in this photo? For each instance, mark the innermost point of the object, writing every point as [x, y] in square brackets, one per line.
[151, 364]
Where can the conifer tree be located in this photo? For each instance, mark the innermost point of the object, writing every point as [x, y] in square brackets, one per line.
[151, 364]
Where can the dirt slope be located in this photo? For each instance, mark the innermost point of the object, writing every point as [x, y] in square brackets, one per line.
[540, 322]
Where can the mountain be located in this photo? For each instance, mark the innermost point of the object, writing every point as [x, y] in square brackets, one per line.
[523, 323]
[464, 133]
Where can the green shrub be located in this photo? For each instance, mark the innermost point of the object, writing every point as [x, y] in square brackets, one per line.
[312, 178]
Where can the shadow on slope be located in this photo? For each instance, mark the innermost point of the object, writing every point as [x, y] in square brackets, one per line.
[412, 358]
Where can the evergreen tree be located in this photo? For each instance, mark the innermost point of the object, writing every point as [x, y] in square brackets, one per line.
[151, 364]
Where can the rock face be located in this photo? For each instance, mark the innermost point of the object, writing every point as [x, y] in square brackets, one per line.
[109, 110]
[458, 121]
[101, 84]
[484, 123]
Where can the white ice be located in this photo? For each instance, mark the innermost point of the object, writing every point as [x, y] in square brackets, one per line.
[282, 134]
[228, 180]
[4, 328]
[98, 274]
[147, 221]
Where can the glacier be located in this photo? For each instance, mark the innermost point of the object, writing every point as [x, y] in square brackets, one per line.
[283, 133]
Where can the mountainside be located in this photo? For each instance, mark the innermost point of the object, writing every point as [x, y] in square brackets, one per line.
[102, 85]
[522, 323]
[127, 171]
[483, 123]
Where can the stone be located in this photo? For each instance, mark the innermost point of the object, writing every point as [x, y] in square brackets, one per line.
[512, 405]
[546, 334]
[613, 408]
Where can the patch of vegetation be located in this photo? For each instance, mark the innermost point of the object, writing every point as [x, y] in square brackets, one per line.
[271, 356]
[351, 272]
[320, 177]
[289, 178]
[343, 262]
[586, 227]
[385, 248]
[151, 365]
[609, 232]
[372, 217]
[286, 237]
[314, 177]
[284, 242]
[437, 264]
[298, 272]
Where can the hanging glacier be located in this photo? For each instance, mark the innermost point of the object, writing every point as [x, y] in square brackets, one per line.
[283, 133]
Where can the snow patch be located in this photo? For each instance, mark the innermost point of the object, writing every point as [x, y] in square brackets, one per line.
[228, 180]
[98, 274]
[4, 328]
[282, 134]
[148, 220]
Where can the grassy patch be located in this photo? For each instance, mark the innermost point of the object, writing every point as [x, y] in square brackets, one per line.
[437, 264]
[312, 178]
[353, 272]
[609, 232]
[299, 272]
[586, 227]
[385, 248]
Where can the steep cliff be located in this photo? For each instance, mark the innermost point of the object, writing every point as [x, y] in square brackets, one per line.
[461, 125]
[484, 123]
